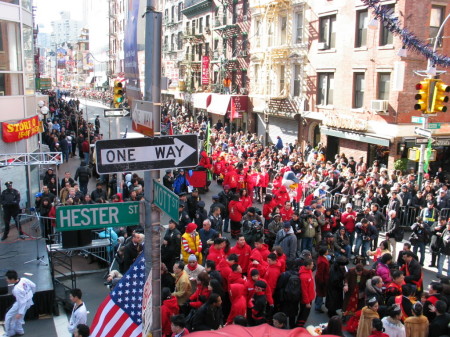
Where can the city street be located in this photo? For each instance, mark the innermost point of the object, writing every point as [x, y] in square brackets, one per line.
[91, 282]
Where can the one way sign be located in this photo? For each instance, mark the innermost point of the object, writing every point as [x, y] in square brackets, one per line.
[138, 154]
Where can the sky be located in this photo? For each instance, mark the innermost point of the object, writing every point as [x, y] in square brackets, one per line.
[48, 10]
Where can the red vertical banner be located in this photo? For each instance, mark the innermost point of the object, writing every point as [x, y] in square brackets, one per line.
[205, 70]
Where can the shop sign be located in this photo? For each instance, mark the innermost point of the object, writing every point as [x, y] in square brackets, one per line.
[205, 70]
[346, 122]
[23, 129]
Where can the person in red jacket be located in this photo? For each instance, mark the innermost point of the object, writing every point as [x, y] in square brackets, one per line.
[321, 278]
[243, 251]
[169, 307]
[202, 292]
[238, 302]
[224, 267]
[250, 287]
[348, 219]
[235, 211]
[281, 257]
[178, 326]
[205, 161]
[308, 291]
[235, 277]
[262, 248]
[244, 198]
[262, 182]
[273, 271]
[231, 179]
[286, 211]
[215, 252]
[257, 262]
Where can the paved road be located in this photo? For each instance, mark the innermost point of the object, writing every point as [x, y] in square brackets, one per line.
[92, 284]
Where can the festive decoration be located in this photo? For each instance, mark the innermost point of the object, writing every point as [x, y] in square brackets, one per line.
[410, 41]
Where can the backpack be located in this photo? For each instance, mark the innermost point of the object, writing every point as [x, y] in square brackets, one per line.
[292, 290]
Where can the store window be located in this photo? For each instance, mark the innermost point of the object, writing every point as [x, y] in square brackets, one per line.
[11, 84]
[10, 50]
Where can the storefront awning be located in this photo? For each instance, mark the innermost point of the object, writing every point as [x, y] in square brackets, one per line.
[359, 137]
[221, 104]
[201, 100]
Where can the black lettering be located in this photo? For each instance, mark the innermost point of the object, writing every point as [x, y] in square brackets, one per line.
[121, 155]
[171, 152]
[110, 156]
[131, 155]
[160, 152]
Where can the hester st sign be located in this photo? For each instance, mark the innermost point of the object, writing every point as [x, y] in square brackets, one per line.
[136, 154]
[79, 217]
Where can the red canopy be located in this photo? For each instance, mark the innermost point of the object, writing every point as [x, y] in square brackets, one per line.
[264, 330]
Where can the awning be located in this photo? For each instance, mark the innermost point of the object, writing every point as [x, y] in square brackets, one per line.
[359, 137]
[201, 100]
[240, 103]
[219, 104]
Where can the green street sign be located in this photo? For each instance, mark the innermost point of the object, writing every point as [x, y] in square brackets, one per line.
[166, 200]
[80, 217]
[434, 126]
[418, 120]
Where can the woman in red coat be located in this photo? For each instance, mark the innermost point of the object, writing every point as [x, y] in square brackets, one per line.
[262, 182]
[235, 211]
[238, 302]
[321, 278]
[244, 198]
[202, 292]
[169, 308]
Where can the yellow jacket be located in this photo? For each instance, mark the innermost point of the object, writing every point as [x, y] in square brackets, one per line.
[191, 245]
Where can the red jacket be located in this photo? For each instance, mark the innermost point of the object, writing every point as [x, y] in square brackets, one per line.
[235, 210]
[272, 275]
[195, 297]
[85, 146]
[263, 180]
[282, 261]
[246, 201]
[264, 251]
[261, 266]
[238, 302]
[241, 180]
[322, 276]
[215, 255]
[235, 278]
[286, 214]
[307, 284]
[250, 290]
[231, 179]
[349, 222]
[243, 254]
[205, 161]
[169, 308]
[224, 269]
[267, 210]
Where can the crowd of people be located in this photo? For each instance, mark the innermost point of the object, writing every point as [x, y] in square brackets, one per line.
[310, 233]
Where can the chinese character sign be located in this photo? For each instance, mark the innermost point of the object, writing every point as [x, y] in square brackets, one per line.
[205, 70]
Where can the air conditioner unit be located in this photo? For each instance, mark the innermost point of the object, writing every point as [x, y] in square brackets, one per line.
[243, 53]
[245, 18]
[207, 30]
[321, 45]
[379, 106]
[243, 91]
[216, 55]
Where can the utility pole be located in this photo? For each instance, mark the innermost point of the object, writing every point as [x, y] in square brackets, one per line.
[431, 69]
[153, 29]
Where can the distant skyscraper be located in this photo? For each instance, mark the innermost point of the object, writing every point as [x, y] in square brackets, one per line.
[65, 29]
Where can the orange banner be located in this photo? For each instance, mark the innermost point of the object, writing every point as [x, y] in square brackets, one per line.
[23, 129]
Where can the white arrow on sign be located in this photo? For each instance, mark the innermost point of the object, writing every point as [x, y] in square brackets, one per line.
[422, 132]
[178, 151]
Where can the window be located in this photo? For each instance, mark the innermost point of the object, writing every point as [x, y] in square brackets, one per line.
[207, 21]
[234, 45]
[235, 14]
[200, 25]
[384, 83]
[244, 42]
[258, 33]
[244, 79]
[245, 7]
[283, 22]
[362, 18]
[327, 31]
[10, 46]
[180, 14]
[200, 51]
[233, 78]
[325, 89]
[193, 27]
[172, 42]
[180, 41]
[298, 27]
[216, 44]
[436, 19]
[358, 95]
[297, 80]
[207, 49]
[282, 79]
[224, 46]
[172, 16]
[270, 33]
[166, 16]
[386, 37]
[188, 31]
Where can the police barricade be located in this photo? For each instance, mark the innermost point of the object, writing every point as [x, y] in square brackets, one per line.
[445, 212]
[407, 216]
[328, 200]
[341, 200]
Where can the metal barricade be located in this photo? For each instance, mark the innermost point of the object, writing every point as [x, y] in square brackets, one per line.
[407, 216]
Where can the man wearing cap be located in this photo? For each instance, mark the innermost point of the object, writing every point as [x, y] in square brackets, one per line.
[309, 231]
[348, 219]
[287, 240]
[225, 197]
[191, 243]
[274, 227]
[216, 219]
[180, 183]
[192, 203]
[83, 174]
[98, 193]
[168, 179]
[183, 218]
[442, 201]
[171, 247]
[10, 200]
[258, 303]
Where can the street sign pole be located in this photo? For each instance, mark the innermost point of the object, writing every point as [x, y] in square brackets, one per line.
[153, 29]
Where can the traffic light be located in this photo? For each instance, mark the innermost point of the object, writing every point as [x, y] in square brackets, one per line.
[118, 94]
[423, 96]
[440, 96]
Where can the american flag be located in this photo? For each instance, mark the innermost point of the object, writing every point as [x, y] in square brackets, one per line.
[120, 314]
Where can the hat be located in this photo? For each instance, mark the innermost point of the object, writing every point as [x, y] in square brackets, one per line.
[372, 301]
[181, 170]
[181, 205]
[49, 169]
[341, 260]
[329, 235]
[251, 210]
[287, 224]
[194, 190]
[261, 284]
[404, 186]
[182, 194]
[349, 205]
[8, 183]
[168, 171]
[307, 208]
[99, 184]
[215, 197]
[192, 258]
[38, 195]
[442, 191]
[201, 204]
[226, 187]
[191, 227]
[306, 253]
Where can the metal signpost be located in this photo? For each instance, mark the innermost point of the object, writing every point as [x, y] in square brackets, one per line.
[137, 154]
[81, 217]
[166, 200]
